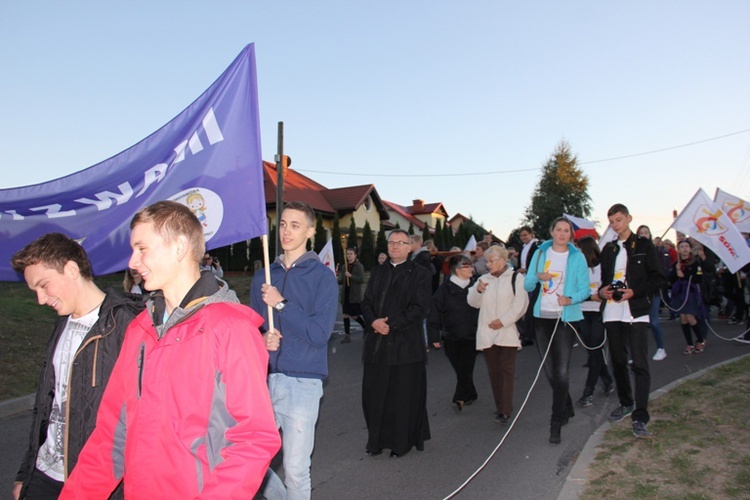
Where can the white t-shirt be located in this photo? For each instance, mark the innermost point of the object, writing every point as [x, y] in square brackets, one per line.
[554, 264]
[620, 311]
[50, 457]
[525, 253]
[595, 281]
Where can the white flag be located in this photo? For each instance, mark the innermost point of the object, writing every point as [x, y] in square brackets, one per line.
[737, 209]
[704, 221]
[326, 256]
[609, 235]
[471, 245]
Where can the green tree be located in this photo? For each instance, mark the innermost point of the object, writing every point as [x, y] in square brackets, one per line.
[256, 252]
[411, 228]
[448, 236]
[239, 256]
[439, 236]
[426, 234]
[381, 246]
[320, 234]
[338, 252]
[562, 188]
[367, 254]
[352, 240]
[272, 243]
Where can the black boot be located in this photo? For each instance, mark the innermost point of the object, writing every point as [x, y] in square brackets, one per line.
[554, 432]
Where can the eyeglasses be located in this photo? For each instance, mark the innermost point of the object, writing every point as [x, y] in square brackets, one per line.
[465, 266]
[398, 243]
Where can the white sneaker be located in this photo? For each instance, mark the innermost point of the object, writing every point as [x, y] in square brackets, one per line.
[660, 354]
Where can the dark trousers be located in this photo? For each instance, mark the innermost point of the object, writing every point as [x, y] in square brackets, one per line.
[557, 366]
[501, 366]
[633, 337]
[592, 334]
[462, 355]
[42, 487]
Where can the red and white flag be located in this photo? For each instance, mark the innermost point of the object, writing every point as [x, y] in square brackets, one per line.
[707, 223]
[326, 256]
[737, 209]
[582, 227]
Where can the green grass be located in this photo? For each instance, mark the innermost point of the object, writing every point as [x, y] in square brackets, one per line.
[700, 449]
[26, 327]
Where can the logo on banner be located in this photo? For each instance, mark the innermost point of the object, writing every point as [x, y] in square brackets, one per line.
[738, 212]
[207, 207]
[707, 222]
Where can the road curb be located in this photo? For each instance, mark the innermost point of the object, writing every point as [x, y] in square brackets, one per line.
[576, 481]
[16, 406]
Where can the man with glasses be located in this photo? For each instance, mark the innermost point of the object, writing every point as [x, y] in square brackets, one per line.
[394, 383]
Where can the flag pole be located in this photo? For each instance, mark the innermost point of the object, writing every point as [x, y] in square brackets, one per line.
[346, 267]
[267, 267]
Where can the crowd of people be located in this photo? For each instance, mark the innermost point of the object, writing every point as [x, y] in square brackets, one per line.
[172, 388]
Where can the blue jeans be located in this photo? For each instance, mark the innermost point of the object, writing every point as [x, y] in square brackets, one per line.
[296, 402]
[653, 318]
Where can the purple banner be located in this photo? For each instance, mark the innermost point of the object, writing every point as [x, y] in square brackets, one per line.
[208, 158]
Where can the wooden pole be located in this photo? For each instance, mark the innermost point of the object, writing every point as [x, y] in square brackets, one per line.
[267, 265]
[279, 184]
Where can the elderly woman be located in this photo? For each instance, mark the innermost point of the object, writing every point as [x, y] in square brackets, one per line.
[455, 321]
[501, 304]
[561, 272]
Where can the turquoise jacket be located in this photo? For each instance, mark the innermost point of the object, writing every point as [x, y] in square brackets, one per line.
[576, 280]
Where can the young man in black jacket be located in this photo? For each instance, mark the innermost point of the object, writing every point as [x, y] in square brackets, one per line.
[80, 355]
[631, 276]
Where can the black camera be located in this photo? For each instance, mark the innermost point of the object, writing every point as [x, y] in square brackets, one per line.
[617, 287]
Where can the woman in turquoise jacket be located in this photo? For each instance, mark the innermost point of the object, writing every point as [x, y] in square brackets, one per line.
[559, 270]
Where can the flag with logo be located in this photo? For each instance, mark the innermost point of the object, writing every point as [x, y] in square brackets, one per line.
[326, 256]
[208, 158]
[707, 223]
[737, 209]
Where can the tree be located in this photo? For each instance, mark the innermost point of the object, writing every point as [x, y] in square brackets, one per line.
[338, 252]
[448, 239]
[367, 254]
[239, 256]
[320, 234]
[272, 243]
[411, 228]
[562, 188]
[256, 252]
[426, 234]
[381, 246]
[352, 240]
[439, 236]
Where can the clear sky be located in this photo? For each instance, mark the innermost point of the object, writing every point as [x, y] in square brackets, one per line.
[472, 96]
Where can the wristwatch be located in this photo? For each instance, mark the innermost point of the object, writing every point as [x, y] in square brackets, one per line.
[280, 305]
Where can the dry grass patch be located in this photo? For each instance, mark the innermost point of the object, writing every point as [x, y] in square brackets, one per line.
[700, 448]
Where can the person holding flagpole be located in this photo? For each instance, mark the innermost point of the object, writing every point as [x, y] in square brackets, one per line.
[303, 296]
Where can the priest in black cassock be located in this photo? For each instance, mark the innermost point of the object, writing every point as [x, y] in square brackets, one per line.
[394, 384]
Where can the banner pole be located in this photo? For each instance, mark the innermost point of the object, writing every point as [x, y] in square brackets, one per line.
[267, 267]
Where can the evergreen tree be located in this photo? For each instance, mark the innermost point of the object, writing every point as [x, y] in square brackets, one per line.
[272, 243]
[256, 252]
[439, 236]
[320, 234]
[351, 237]
[462, 236]
[338, 252]
[382, 243]
[426, 234]
[411, 228]
[562, 188]
[239, 259]
[448, 239]
[367, 254]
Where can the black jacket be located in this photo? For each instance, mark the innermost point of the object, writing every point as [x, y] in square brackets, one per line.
[450, 315]
[643, 275]
[402, 294]
[91, 369]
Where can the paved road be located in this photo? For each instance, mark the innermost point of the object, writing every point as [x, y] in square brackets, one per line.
[525, 466]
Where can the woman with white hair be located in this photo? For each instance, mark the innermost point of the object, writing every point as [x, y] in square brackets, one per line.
[501, 303]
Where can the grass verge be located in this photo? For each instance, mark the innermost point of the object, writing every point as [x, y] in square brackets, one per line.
[700, 448]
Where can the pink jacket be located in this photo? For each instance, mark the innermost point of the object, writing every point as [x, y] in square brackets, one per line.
[184, 416]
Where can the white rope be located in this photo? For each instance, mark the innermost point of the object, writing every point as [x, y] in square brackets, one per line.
[512, 424]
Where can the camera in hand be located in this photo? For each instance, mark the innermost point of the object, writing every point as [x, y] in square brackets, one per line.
[617, 288]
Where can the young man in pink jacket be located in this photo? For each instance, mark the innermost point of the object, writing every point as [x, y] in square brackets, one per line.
[186, 413]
